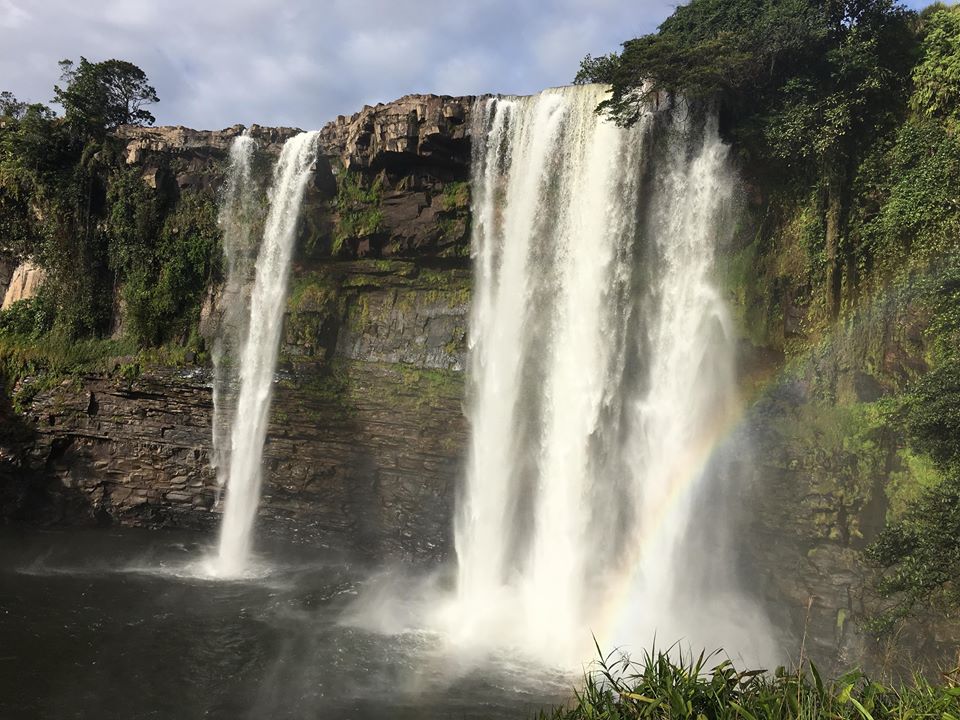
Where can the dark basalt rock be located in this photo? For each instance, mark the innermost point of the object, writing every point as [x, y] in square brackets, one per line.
[366, 461]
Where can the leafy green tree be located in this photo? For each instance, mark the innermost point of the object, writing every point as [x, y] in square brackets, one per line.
[10, 107]
[34, 152]
[906, 200]
[936, 77]
[920, 556]
[97, 97]
[793, 80]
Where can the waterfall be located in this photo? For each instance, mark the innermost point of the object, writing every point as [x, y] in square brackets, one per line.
[600, 385]
[239, 206]
[259, 355]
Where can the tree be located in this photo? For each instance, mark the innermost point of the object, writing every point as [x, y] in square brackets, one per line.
[937, 77]
[97, 97]
[919, 554]
[10, 107]
[795, 82]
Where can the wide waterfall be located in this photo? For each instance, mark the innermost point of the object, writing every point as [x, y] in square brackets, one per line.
[259, 355]
[601, 385]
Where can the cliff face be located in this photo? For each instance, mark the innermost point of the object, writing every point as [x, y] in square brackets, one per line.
[20, 282]
[366, 458]
[830, 462]
[367, 431]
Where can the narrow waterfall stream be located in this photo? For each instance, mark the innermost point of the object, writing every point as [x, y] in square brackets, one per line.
[601, 385]
[259, 355]
[237, 218]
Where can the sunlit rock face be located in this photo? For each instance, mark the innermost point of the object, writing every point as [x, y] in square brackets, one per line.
[418, 147]
[142, 141]
[23, 283]
[415, 130]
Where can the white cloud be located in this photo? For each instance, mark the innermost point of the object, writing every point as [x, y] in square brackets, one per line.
[301, 62]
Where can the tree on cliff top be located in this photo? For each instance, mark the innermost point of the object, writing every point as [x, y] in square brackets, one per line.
[97, 97]
[793, 80]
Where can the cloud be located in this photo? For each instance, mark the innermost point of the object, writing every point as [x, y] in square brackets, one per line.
[302, 62]
[11, 15]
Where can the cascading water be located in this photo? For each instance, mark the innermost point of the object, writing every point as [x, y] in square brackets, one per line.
[601, 380]
[259, 356]
[239, 208]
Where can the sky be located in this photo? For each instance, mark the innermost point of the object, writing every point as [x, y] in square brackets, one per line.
[301, 63]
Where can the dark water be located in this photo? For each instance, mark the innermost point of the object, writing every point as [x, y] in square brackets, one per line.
[111, 624]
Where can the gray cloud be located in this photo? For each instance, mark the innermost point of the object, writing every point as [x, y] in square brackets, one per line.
[302, 62]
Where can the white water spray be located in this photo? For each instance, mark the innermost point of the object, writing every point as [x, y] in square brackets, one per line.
[259, 356]
[601, 381]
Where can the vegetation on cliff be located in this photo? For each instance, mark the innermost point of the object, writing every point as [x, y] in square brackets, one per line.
[840, 111]
[70, 204]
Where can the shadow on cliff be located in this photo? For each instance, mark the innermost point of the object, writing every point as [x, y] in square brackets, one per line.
[31, 491]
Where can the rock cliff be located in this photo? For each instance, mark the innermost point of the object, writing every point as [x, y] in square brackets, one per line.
[367, 432]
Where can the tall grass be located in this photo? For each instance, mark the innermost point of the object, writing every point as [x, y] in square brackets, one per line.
[675, 685]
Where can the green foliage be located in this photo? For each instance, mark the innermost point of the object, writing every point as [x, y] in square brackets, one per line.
[798, 82]
[97, 97]
[904, 487]
[10, 107]
[456, 196]
[919, 555]
[941, 296]
[30, 318]
[908, 204]
[359, 212]
[933, 418]
[315, 305]
[34, 363]
[133, 221]
[858, 192]
[165, 272]
[34, 155]
[936, 78]
[704, 687]
[53, 176]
